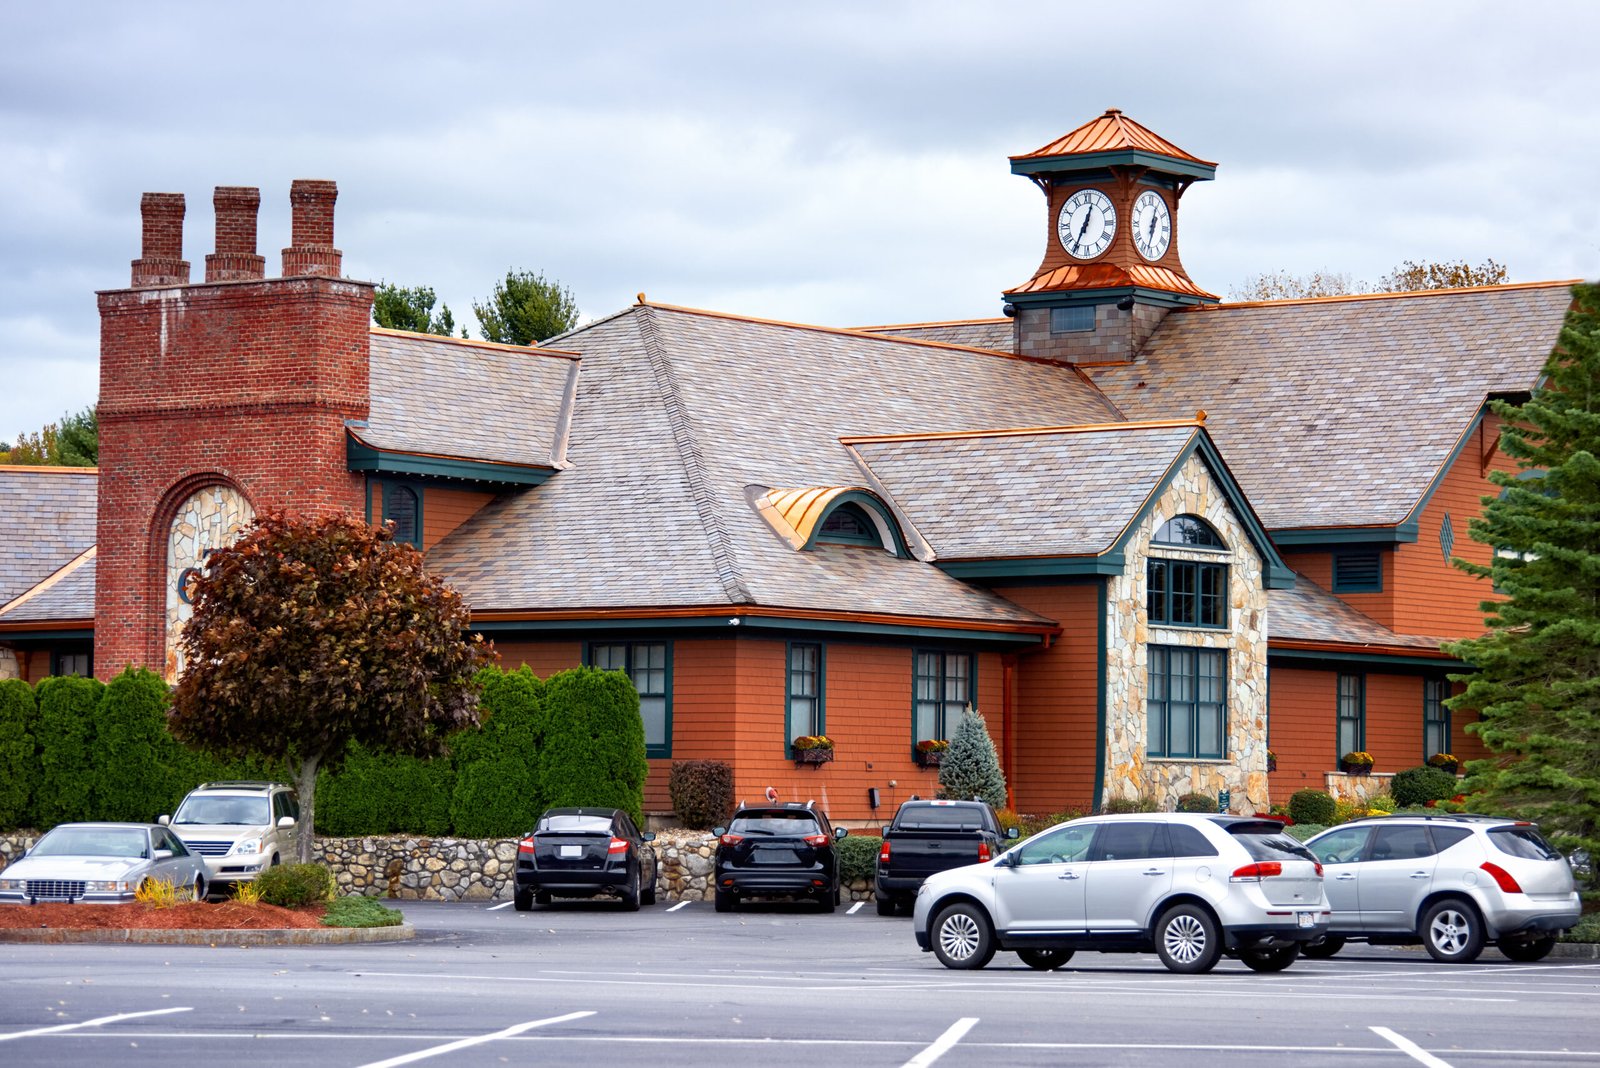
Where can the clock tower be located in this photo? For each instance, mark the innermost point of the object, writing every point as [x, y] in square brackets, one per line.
[1110, 271]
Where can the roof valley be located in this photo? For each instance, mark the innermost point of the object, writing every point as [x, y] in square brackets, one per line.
[689, 455]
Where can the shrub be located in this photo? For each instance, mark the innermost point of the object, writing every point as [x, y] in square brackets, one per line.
[385, 793]
[294, 885]
[1032, 825]
[65, 787]
[1119, 805]
[496, 792]
[1303, 831]
[858, 856]
[971, 767]
[19, 763]
[1312, 806]
[1587, 929]
[1197, 803]
[592, 742]
[1381, 803]
[360, 912]
[133, 756]
[1418, 786]
[1344, 811]
[702, 792]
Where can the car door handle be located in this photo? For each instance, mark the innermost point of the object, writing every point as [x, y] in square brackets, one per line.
[1067, 875]
[1419, 875]
[1154, 871]
[1346, 878]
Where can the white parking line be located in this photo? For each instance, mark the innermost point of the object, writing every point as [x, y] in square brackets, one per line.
[942, 1044]
[855, 908]
[90, 1023]
[678, 906]
[1410, 1048]
[503, 904]
[451, 1047]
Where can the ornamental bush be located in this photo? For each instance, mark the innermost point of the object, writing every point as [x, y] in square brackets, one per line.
[971, 767]
[592, 742]
[497, 793]
[1197, 803]
[702, 792]
[1418, 786]
[1312, 806]
[19, 763]
[1117, 806]
[133, 756]
[294, 885]
[858, 857]
[65, 738]
[385, 793]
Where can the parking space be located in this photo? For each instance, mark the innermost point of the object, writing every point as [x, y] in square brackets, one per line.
[767, 985]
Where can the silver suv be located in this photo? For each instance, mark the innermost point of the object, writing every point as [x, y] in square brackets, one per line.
[1451, 882]
[239, 828]
[1190, 887]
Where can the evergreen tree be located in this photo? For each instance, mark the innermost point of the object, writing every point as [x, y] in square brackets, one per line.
[411, 308]
[65, 734]
[1537, 681]
[592, 742]
[525, 309]
[496, 792]
[19, 761]
[135, 760]
[971, 767]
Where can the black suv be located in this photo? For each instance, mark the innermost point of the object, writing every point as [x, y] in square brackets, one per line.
[777, 850]
[581, 852]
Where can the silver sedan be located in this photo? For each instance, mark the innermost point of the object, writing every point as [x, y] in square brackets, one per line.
[101, 863]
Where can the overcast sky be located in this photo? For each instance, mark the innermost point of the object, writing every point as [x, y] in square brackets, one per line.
[837, 163]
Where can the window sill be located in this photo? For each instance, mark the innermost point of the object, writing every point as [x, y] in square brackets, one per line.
[1186, 760]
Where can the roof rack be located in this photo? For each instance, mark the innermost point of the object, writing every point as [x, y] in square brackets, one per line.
[1444, 817]
[238, 784]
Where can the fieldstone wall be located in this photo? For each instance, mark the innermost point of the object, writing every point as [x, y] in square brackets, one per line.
[1358, 788]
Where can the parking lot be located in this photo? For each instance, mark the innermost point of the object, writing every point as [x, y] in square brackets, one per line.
[768, 985]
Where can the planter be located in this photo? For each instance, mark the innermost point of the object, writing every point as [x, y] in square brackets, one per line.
[927, 760]
[1355, 769]
[1449, 769]
[1272, 764]
[812, 756]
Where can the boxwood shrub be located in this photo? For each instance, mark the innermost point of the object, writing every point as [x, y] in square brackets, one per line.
[1312, 806]
[858, 856]
[1418, 786]
[294, 885]
[1197, 803]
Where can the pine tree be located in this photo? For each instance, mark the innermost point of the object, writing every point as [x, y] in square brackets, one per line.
[1537, 681]
[525, 309]
[971, 767]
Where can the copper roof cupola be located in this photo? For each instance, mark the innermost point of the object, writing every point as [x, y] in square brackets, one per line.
[1111, 270]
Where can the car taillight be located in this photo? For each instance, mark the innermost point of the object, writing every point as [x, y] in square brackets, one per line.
[883, 853]
[1254, 873]
[1318, 866]
[983, 851]
[525, 846]
[618, 845]
[1501, 876]
[731, 839]
[816, 839]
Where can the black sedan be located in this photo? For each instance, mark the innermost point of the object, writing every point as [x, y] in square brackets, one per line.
[584, 852]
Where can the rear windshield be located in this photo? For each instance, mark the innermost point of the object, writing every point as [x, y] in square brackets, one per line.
[1524, 842]
[577, 824]
[775, 823]
[939, 817]
[1263, 844]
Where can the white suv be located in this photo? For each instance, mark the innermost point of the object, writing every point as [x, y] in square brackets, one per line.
[239, 828]
[1190, 887]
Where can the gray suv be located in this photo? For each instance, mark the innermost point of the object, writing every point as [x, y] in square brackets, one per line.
[1452, 882]
[1190, 887]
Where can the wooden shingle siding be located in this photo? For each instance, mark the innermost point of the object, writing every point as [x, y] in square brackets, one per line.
[443, 510]
[1303, 722]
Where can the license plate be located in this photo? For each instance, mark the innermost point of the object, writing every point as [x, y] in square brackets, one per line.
[577, 851]
[1308, 919]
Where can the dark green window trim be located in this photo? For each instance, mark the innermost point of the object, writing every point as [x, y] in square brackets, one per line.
[1184, 593]
[1190, 532]
[68, 663]
[805, 707]
[648, 666]
[1358, 571]
[1435, 717]
[848, 525]
[402, 506]
[1186, 702]
[1350, 732]
[943, 685]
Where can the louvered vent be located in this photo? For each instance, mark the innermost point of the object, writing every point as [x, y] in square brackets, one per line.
[1359, 572]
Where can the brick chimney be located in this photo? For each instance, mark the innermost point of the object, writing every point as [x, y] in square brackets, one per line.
[235, 259]
[311, 250]
[161, 261]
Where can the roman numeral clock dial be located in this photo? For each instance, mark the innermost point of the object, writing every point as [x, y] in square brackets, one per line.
[1086, 224]
[1152, 225]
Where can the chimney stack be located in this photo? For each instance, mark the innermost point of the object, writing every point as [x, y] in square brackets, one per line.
[161, 261]
[311, 248]
[235, 258]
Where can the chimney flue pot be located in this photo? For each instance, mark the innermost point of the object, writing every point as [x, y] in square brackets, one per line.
[161, 261]
[235, 258]
[311, 250]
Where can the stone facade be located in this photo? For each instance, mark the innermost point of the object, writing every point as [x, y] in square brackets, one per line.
[1130, 772]
[1358, 788]
[211, 518]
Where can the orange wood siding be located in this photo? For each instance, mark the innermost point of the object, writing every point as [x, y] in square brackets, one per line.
[545, 658]
[1318, 567]
[1303, 716]
[444, 510]
[1057, 703]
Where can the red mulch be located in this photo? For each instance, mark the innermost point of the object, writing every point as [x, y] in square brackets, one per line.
[189, 916]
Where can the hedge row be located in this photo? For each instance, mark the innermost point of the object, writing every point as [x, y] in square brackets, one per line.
[77, 749]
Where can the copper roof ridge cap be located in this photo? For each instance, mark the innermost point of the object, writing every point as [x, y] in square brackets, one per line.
[1399, 294]
[473, 342]
[932, 322]
[1197, 423]
[50, 469]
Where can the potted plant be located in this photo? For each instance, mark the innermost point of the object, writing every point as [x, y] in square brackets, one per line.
[811, 749]
[930, 751]
[1356, 763]
[1444, 762]
[1272, 760]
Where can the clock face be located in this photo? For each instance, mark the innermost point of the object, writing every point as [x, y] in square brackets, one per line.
[1086, 224]
[1152, 225]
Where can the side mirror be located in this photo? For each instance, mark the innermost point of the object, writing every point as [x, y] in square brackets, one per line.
[841, 832]
[883, 832]
[165, 821]
[648, 836]
[163, 854]
[1013, 833]
[719, 831]
[285, 821]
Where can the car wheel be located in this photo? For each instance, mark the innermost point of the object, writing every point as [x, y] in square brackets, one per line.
[826, 899]
[1187, 940]
[630, 894]
[725, 901]
[541, 897]
[649, 896]
[275, 861]
[1045, 960]
[886, 906]
[961, 937]
[200, 888]
[1329, 945]
[1452, 932]
[1271, 959]
[522, 900]
[1527, 950]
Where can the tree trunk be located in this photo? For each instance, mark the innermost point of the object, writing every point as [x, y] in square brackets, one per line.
[305, 784]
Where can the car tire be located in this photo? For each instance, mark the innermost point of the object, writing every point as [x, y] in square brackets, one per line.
[199, 888]
[1324, 949]
[1452, 932]
[522, 900]
[961, 937]
[649, 896]
[886, 906]
[1527, 950]
[1187, 940]
[1045, 960]
[630, 894]
[541, 897]
[725, 901]
[826, 900]
[1270, 959]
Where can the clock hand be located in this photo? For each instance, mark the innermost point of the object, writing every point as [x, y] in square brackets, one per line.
[1085, 227]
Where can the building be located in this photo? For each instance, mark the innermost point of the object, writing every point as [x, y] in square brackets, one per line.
[1148, 534]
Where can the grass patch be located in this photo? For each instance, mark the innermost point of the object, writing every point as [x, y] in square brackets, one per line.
[360, 912]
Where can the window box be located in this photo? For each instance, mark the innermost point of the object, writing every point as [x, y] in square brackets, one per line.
[812, 756]
[930, 758]
[811, 749]
[1356, 763]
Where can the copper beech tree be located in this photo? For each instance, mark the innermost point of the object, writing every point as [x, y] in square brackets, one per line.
[312, 633]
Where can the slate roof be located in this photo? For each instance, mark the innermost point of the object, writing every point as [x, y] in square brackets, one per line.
[468, 400]
[1341, 411]
[997, 334]
[684, 418]
[1309, 613]
[1047, 492]
[50, 519]
[69, 596]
